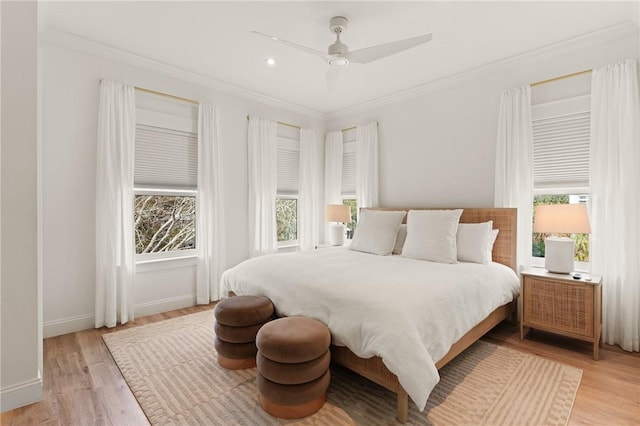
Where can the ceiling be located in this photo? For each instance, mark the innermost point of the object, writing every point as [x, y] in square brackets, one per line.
[213, 39]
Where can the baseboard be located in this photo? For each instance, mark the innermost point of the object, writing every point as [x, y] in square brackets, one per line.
[68, 325]
[21, 394]
[85, 322]
[164, 305]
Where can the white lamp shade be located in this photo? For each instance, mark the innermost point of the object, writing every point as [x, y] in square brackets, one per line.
[562, 219]
[338, 213]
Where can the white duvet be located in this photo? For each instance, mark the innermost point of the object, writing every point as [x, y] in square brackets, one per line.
[408, 312]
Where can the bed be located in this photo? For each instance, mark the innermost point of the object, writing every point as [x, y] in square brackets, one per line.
[376, 310]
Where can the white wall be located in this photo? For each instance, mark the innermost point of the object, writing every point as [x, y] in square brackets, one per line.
[69, 105]
[438, 149]
[21, 320]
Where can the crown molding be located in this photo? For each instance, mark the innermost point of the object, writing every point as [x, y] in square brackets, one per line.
[71, 41]
[612, 33]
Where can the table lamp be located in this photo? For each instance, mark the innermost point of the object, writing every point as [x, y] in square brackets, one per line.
[560, 219]
[340, 214]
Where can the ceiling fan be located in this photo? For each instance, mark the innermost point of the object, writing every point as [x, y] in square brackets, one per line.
[338, 54]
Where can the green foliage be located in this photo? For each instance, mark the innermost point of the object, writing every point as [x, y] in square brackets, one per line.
[164, 223]
[287, 219]
[581, 240]
[353, 206]
[582, 247]
[538, 247]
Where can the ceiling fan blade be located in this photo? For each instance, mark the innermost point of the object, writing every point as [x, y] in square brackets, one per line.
[370, 54]
[315, 52]
[333, 77]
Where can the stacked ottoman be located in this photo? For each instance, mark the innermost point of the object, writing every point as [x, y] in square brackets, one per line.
[293, 366]
[238, 320]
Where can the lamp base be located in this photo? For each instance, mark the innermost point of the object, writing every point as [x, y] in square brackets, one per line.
[558, 255]
[337, 234]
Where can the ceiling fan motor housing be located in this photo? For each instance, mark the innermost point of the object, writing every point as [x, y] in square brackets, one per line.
[338, 48]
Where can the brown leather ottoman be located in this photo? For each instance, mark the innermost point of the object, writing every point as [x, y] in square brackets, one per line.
[293, 366]
[238, 320]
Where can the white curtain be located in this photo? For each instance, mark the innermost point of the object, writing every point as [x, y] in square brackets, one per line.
[367, 165]
[615, 199]
[115, 263]
[210, 235]
[333, 148]
[262, 156]
[309, 203]
[514, 164]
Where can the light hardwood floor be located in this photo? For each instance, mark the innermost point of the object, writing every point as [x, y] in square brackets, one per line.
[83, 386]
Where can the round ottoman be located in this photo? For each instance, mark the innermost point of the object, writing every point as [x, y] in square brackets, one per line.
[293, 366]
[238, 320]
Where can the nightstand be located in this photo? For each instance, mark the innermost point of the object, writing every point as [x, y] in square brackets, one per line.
[559, 304]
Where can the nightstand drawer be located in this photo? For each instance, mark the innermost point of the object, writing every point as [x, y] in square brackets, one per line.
[566, 307]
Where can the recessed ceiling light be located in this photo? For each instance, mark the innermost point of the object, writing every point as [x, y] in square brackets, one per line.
[271, 62]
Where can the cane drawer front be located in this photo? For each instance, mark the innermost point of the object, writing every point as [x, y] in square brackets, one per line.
[563, 306]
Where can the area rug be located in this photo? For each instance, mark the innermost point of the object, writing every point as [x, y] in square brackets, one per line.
[171, 369]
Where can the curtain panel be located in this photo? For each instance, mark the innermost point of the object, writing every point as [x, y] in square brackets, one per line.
[333, 168]
[615, 199]
[115, 262]
[367, 165]
[514, 164]
[210, 235]
[262, 157]
[309, 206]
[333, 148]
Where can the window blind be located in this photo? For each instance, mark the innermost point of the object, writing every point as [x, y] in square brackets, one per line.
[561, 150]
[349, 168]
[288, 166]
[165, 158]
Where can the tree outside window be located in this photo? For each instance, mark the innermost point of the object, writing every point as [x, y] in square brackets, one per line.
[287, 219]
[164, 223]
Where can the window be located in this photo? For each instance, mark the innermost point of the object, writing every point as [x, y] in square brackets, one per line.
[561, 126]
[351, 226]
[287, 220]
[581, 240]
[165, 177]
[164, 223]
[288, 171]
[349, 178]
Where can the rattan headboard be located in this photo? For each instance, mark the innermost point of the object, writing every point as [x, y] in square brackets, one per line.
[504, 219]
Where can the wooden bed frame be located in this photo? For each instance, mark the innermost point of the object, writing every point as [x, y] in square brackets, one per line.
[504, 251]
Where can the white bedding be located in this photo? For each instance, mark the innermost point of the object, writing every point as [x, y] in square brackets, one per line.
[408, 312]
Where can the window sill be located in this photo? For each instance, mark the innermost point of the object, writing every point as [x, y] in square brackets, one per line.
[288, 248]
[155, 264]
[288, 244]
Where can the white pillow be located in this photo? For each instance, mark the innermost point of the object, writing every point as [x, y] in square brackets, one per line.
[472, 242]
[431, 235]
[376, 231]
[492, 240]
[400, 238]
